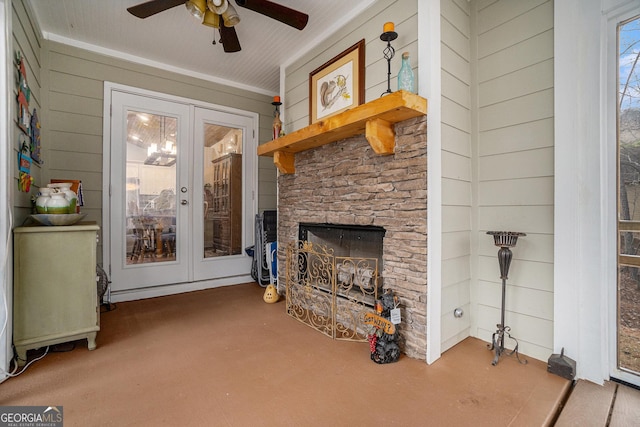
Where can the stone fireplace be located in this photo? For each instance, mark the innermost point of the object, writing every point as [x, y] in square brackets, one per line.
[347, 183]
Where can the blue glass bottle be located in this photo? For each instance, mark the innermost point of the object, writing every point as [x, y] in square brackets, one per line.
[405, 75]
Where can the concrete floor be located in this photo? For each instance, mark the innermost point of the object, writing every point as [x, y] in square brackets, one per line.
[223, 357]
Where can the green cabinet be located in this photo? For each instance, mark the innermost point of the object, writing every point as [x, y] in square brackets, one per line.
[54, 289]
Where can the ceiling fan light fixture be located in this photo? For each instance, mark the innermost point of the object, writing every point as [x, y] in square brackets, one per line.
[230, 17]
[196, 8]
[211, 19]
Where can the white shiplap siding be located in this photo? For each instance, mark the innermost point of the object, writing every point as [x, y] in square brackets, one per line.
[514, 168]
[456, 170]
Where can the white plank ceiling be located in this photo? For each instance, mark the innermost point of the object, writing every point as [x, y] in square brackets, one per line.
[174, 40]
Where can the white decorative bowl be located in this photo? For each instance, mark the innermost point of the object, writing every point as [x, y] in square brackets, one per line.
[58, 219]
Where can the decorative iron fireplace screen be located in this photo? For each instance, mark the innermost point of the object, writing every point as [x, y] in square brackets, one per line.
[330, 293]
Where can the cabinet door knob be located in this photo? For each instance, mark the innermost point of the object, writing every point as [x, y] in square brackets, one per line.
[184, 202]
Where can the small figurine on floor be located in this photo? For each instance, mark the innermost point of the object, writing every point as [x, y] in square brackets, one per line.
[271, 294]
[383, 341]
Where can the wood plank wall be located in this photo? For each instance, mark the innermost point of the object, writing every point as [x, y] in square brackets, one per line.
[27, 41]
[456, 169]
[514, 167]
[497, 167]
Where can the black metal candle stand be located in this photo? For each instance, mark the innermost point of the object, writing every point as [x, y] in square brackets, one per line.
[505, 240]
[389, 52]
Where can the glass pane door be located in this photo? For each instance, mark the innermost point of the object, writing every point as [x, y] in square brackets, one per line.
[149, 205]
[222, 167]
[151, 178]
[628, 307]
[224, 172]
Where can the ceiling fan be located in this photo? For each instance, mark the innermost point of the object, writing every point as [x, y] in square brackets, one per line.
[221, 15]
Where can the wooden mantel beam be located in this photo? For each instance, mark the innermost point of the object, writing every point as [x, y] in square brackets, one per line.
[375, 119]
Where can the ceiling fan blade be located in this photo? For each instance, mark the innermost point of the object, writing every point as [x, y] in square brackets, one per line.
[147, 9]
[229, 38]
[276, 11]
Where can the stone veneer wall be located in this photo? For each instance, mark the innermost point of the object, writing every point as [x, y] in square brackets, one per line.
[347, 183]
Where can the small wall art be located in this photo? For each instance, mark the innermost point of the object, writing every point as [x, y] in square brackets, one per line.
[24, 94]
[337, 85]
[24, 168]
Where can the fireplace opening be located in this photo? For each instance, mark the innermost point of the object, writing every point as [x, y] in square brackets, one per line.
[333, 277]
[356, 241]
[351, 242]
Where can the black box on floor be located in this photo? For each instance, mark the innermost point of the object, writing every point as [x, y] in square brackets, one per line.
[562, 365]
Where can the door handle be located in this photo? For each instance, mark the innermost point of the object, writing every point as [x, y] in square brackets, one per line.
[184, 202]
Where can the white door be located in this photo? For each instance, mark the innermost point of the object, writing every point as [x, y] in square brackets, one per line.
[182, 194]
[150, 192]
[223, 172]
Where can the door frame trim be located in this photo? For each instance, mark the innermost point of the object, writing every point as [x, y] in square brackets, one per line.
[251, 177]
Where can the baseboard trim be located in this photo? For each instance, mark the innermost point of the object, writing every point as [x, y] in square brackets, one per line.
[176, 288]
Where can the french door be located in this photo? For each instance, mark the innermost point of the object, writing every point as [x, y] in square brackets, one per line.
[627, 323]
[223, 205]
[182, 187]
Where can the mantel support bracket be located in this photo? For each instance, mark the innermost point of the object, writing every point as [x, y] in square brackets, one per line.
[381, 136]
[284, 161]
